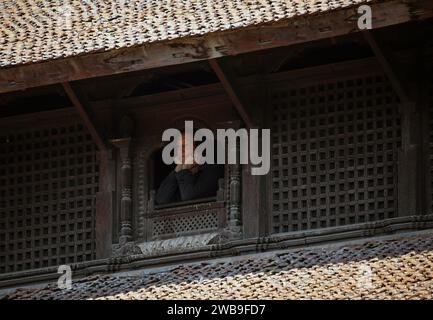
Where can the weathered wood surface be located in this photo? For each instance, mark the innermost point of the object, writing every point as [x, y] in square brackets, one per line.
[236, 247]
[210, 46]
[411, 185]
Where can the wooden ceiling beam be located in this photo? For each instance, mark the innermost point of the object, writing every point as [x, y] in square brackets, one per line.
[232, 88]
[97, 138]
[210, 46]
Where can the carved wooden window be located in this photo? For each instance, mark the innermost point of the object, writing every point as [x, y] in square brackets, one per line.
[334, 153]
[186, 217]
[48, 183]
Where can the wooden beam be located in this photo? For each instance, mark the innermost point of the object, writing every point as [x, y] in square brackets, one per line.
[232, 88]
[210, 46]
[84, 116]
[387, 61]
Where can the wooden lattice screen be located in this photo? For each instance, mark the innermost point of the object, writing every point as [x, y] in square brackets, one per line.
[48, 183]
[334, 152]
[200, 218]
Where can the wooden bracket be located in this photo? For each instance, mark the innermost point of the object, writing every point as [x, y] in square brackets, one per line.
[97, 138]
[386, 60]
[232, 88]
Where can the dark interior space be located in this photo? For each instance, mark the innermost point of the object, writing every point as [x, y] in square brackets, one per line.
[33, 100]
[160, 169]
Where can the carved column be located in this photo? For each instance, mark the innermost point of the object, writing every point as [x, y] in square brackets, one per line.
[126, 189]
[234, 219]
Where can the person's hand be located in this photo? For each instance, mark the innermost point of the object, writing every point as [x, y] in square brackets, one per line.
[188, 166]
[180, 167]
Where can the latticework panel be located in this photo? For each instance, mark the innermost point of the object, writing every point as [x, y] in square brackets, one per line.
[200, 221]
[334, 153]
[48, 183]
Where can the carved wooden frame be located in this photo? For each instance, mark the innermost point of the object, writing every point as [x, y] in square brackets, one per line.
[226, 206]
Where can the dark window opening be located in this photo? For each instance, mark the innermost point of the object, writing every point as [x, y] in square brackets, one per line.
[160, 169]
[201, 188]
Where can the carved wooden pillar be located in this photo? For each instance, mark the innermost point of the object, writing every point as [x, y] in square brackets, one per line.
[126, 189]
[234, 219]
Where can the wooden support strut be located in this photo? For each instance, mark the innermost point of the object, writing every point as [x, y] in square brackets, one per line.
[104, 204]
[228, 80]
[84, 116]
[384, 57]
[410, 173]
[386, 60]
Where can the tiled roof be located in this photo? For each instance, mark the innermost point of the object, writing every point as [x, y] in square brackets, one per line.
[39, 30]
[398, 268]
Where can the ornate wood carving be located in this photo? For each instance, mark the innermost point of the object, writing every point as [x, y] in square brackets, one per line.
[126, 127]
[234, 218]
[126, 189]
[143, 150]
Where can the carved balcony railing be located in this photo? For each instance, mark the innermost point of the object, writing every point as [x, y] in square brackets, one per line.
[187, 217]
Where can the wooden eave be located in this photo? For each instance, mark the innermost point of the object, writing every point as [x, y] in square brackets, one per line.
[210, 46]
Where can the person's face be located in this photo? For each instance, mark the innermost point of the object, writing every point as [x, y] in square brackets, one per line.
[183, 144]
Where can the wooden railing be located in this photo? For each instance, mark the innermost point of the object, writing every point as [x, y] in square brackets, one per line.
[187, 217]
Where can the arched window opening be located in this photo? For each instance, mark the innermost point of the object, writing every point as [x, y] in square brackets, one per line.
[172, 187]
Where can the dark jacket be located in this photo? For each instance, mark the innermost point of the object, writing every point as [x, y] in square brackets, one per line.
[184, 185]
